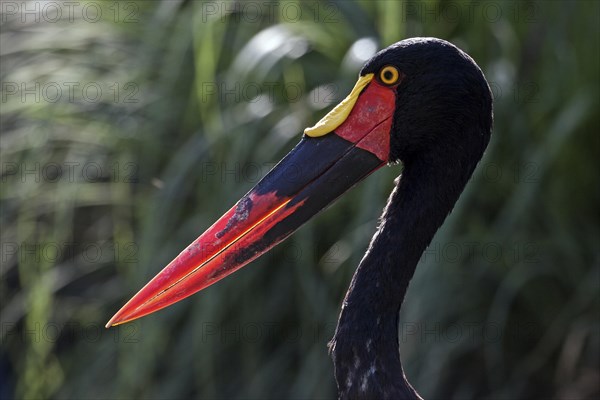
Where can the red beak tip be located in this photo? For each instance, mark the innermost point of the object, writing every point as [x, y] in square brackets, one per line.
[114, 321]
[110, 323]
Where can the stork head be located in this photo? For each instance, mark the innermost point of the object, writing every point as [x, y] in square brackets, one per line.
[417, 99]
[443, 101]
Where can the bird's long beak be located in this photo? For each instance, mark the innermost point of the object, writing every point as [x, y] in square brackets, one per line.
[344, 147]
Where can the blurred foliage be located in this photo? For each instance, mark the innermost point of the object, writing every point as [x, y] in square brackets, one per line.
[198, 100]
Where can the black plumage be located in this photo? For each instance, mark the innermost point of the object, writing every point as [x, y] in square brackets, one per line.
[442, 125]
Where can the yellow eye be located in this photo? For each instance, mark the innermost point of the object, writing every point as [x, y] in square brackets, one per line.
[389, 75]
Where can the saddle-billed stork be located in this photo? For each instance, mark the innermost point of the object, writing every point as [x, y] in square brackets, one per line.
[421, 102]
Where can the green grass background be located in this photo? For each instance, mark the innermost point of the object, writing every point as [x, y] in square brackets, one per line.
[199, 99]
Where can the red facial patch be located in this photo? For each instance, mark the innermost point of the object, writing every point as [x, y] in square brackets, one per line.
[370, 120]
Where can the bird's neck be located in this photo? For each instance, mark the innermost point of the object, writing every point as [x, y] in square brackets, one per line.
[365, 346]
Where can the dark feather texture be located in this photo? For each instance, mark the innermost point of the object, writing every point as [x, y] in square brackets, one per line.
[442, 125]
